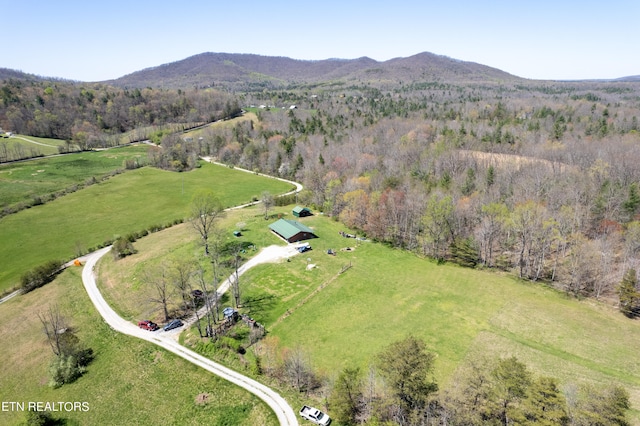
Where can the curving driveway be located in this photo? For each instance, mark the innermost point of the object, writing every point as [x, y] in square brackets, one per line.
[286, 415]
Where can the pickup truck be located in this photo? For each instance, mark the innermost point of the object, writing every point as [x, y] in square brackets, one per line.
[314, 415]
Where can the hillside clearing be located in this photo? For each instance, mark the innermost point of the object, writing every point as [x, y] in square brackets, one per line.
[388, 294]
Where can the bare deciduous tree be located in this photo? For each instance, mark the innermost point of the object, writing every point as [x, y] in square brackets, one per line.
[205, 209]
[297, 369]
[267, 202]
[183, 270]
[53, 326]
[160, 283]
[235, 278]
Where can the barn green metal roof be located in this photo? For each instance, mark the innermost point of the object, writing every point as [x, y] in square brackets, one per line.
[298, 209]
[288, 228]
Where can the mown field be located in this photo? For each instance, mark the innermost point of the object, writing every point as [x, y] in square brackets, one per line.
[136, 200]
[129, 381]
[344, 319]
[21, 182]
[42, 146]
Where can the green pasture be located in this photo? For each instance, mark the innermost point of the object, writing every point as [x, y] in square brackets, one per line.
[21, 182]
[223, 124]
[460, 313]
[133, 201]
[43, 146]
[129, 381]
[344, 319]
[123, 284]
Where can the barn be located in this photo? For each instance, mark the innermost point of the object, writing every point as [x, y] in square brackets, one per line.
[301, 211]
[291, 230]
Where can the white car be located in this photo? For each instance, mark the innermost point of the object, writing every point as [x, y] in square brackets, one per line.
[314, 415]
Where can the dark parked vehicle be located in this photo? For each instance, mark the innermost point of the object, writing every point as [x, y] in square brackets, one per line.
[148, 325]
[173, 324]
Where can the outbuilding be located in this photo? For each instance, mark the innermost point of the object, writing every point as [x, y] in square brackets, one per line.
[301, 211]
[291, 230]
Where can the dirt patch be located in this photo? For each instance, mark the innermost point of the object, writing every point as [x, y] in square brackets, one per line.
[108, 282]
[203, 399]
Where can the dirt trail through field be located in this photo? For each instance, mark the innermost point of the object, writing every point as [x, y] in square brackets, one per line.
[31, 141]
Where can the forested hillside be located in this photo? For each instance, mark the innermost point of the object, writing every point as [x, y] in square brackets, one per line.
[89, 115]
[466, 164]
[255, 72]
[540, 178]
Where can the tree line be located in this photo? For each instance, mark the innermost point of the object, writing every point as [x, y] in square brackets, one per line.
[398, 388]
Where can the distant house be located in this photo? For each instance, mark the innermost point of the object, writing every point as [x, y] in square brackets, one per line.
[291, 230]
[301, 211]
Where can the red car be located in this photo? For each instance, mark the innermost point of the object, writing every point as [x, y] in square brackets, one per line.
[148, 325]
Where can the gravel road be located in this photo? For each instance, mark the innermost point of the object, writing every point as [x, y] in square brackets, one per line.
[286, 415]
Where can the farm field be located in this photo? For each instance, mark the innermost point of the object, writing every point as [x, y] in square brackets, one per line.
[31, 145]
[388, 294]
[128, 382]
[222, 124]
[130, 202]
[20, 182]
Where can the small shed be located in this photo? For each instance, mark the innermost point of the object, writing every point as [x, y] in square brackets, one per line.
[230, 314]
[291, 230]
[301, 211]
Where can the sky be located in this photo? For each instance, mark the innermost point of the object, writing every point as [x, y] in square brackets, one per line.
[96, 40]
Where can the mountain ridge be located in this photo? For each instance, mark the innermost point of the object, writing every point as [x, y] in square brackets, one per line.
[210, 69]
[254, 71]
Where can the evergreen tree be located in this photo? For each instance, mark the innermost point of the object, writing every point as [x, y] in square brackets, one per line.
[598, 406]
[633, 202]
[406, 366]
[465, 252]
[346, 396]
[511, 385]
[545, 404]
[491, 176]
[469, 185]
[628, 294]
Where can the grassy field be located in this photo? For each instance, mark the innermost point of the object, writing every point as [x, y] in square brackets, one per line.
[133, 201]
[122, 281]
[224, 124]
[129, 382]
[42, 146]
[345, 319]
[20, 182]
